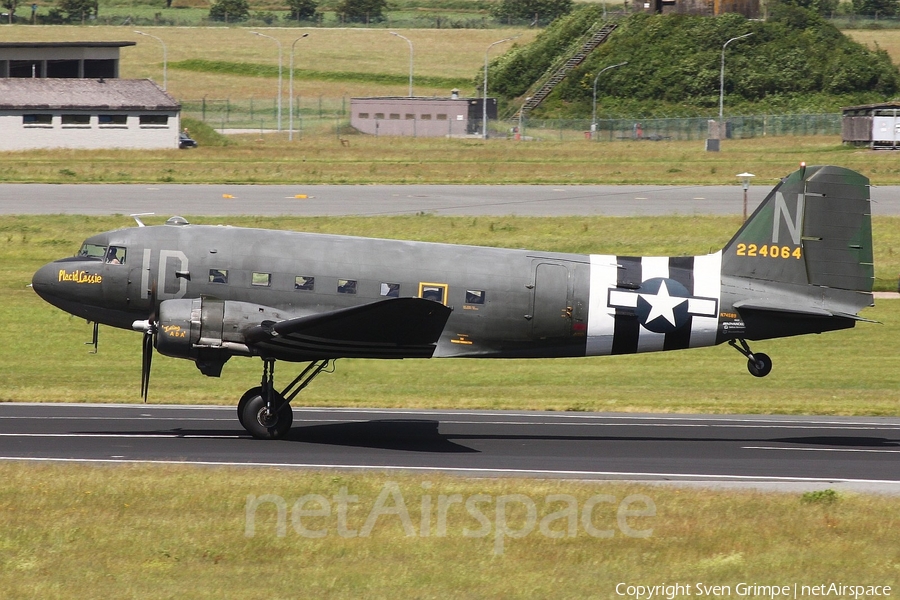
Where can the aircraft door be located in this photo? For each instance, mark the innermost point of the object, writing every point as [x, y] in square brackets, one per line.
[139, 278]
[551, 314]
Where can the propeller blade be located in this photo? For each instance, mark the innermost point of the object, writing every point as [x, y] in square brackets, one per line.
[146, 359]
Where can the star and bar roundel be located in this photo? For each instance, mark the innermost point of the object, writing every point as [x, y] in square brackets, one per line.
[662, 305]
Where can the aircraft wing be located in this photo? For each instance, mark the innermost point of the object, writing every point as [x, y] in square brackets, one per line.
[392, 328]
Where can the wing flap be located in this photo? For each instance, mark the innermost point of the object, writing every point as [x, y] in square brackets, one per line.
[392, 328]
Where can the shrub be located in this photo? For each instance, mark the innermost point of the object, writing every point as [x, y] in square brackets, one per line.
[229, 11]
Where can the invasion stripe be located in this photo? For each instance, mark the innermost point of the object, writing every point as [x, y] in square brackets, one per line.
[681, 269]
[627, 327]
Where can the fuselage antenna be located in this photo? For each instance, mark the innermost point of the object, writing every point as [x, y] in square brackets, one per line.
[137, 217]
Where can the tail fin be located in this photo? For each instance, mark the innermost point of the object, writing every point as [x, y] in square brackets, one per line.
[814, 228]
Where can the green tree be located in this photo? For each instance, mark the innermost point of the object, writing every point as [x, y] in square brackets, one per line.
[78, 10]
[10, 5]
[229, 10]
[302, 10]
[539, 11]
[881, 8]
[361, 11]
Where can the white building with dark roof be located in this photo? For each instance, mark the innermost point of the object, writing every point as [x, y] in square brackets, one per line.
[86, 114]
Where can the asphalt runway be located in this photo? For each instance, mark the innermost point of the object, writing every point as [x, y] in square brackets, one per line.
[801, 452]
[374, 200]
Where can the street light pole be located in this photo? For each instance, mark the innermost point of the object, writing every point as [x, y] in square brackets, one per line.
[291, 90]
[484, 118]
[594, 103]
[410, 60]
[745, 183]
[722, 73]
[165, 60]
[279, 72]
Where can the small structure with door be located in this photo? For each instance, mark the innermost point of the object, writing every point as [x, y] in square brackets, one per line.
[874, 125]
[421, 116]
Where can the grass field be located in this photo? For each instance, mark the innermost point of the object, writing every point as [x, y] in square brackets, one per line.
[811, 374]
[368, 160]
[175, 532]
[453, 54]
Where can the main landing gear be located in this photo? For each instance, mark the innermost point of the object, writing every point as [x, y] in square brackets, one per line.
[758, 364]
[264, 411]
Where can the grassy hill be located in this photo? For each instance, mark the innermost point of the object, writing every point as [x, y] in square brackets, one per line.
[794, 62]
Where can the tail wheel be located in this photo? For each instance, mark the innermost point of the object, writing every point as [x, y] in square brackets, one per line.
[261, 423]
[759, 364]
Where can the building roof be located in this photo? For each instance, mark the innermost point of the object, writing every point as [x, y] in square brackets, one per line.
[66, 44]
[893, 104]
[83, 94]
[415, 98]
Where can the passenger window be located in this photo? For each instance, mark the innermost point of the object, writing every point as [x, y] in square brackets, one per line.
[474, 296]
[391, 290]
[218, 276]
[307, 284]
[115, 255]
[346, 286]
[260, 279]
[433, 291]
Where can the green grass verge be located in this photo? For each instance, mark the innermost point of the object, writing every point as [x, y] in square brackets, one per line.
[851, 372]
[318, 157]
[69, 531]
[221, 67]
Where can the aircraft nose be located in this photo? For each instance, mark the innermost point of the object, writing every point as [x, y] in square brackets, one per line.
[66, 282]
[45, 279]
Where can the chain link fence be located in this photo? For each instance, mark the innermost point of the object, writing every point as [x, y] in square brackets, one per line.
[612, 130]
[314, 115]
[320, 115]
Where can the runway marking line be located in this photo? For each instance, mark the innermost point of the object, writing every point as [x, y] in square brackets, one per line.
[822, 449]
[654, 476]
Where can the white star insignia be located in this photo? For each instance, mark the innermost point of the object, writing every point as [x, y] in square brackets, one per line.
[662, 304]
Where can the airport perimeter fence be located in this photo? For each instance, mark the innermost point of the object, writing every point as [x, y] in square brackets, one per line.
[312, 115]
[331, 116]
[612, 130]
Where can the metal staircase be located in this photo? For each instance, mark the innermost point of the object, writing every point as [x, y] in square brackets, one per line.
[558, 71]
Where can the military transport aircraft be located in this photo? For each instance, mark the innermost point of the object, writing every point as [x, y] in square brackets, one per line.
[801, 264]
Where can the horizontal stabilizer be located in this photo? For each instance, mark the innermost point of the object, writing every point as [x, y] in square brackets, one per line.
[392, 328]
[745, 305]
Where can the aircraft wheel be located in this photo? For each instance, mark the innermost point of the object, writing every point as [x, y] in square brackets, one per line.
[760, 367]
[242, 403]
[259, 424]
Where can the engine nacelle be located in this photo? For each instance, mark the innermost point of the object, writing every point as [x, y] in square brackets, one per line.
[209, 331]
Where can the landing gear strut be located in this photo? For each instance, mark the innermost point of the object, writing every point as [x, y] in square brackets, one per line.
[265, 412]
[758, 364]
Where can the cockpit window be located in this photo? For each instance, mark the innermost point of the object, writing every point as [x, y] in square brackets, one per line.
[115, 255]
[92, 251]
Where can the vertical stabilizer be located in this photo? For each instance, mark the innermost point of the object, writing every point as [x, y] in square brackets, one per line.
[814, 228]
